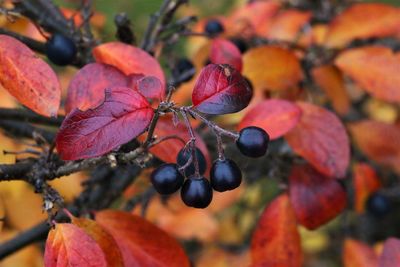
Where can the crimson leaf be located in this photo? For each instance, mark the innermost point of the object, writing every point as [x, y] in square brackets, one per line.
[124, 114]
[220, 89]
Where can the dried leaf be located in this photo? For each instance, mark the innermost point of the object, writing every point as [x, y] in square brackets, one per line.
[316, 199]
[28, 78]
[220, 89]
[124, 115]
[225, 52]
[129, 59]
[382, 79]
[276, 241]
[87, 87]
[365, 182]
[276, 117]
[390, 256]
[379, 141]
[69, 245]
[272, 68]
[348, 25]
[322, 140]
[358, 254]
[331, 81]
[132, 234]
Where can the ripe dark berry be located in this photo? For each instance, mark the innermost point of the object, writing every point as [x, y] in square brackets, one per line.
[196, 192]
[240, 44]
[60, 50]
[184, 67]
[184, 156]
[378, 205]
[253, 141]
[167, 179]
[225, 175]
[213, 27]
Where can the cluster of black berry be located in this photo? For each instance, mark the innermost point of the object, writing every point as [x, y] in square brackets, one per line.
[225, 174]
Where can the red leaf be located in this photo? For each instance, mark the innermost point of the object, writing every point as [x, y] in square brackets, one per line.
[103, 239]
[129, 59]
[86, 89]
[28, 78]
[347, 26]
[68, 245]
[316, 199]
[168, 150]
[276, 241]
[366, 182]
[84, 134]
[382, 79]
[142, 243]
[220, 89]
[390, 256]
[276, 117]
[225, 52]
[149, 86]
[357, 254]
[379, 141]
[321, 139]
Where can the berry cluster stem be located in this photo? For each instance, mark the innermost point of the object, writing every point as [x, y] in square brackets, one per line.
[192, 141]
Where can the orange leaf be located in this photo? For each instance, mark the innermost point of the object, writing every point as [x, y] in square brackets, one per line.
[168, 150]
[276, 241]
[142, 243]
[272, 68]
[287, 24]
[128, 59]
[102, 238]
[382, 79]
[366, 182]
[390, 256]
[379, 141]
[321, 139]
[316, 199]
[330, 80]
[28, 78]
[69, 245]
[358, 254]
[276, 117]
[348, 26]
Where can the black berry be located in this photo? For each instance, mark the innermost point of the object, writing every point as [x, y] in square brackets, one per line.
[225, 175]
[253, 141]
[183, 157]
[167, 179]
[184, 68]
[214, 27]
[240, 44]
[196, 192]
[60, 50]
[378, 205]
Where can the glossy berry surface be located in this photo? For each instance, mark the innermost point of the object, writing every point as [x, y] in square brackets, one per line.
[196, 192]
[378, 205]
[253, 142]
[225, 175]
[184, 156]
[60, 50]
[213, 27]
[184, 67]
[167, 179]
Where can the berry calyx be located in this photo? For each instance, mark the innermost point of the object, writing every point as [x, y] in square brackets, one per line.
[225, 175]
[253, 141]
[214, 27]
[378, 205]
[60, 49]
[183, 157]
[196, 192]
[167, 179]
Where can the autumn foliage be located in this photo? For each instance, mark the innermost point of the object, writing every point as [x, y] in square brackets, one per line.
[319, 82]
